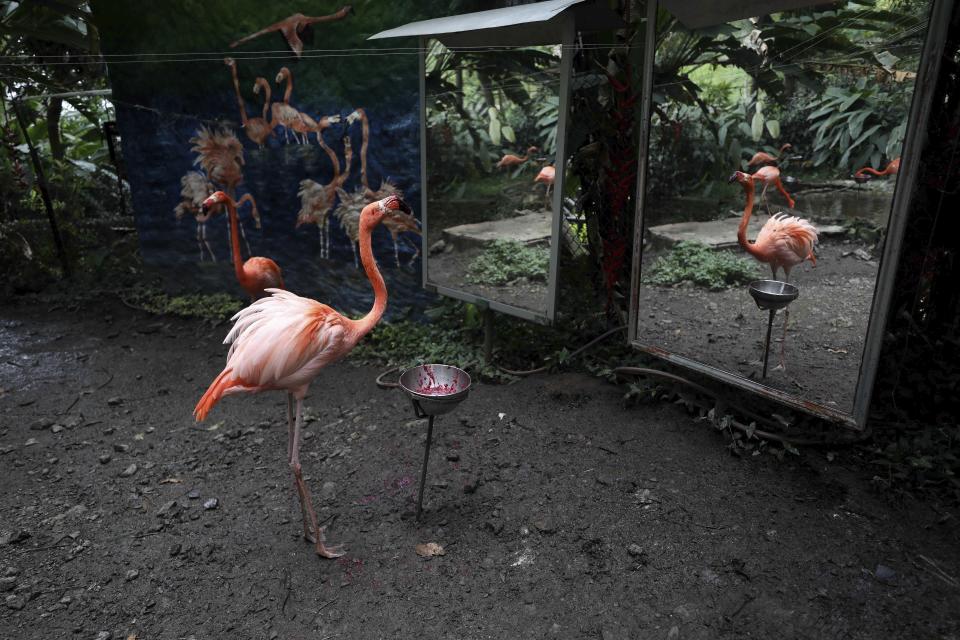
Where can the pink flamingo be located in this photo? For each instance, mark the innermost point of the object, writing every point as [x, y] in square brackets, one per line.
[892, 169]
[764, 158]
[767, 176]
[546, 176]
[283, 341]
[783, 242]
[510, 160]
[256, 275]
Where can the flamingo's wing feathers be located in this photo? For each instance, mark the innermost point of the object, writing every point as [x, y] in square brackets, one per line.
[790, 232]
[279, 336]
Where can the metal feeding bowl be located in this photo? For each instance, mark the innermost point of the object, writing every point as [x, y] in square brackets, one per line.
[435, 389]
[773, 294]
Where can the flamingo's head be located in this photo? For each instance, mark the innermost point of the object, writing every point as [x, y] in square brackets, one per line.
[741, 177]
[230, 62]
[282, 75]
[532, 150]
[374, 213]
[214, 200]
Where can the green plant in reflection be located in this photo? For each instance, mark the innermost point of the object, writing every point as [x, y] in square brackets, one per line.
[506, 260]
[701, 265]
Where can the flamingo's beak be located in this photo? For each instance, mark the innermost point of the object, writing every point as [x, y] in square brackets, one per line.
[403, 206]
[732, 178]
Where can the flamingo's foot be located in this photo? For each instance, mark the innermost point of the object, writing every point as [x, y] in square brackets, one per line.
[780, 367]
[331, 552]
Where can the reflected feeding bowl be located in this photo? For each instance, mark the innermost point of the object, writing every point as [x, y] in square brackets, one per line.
[773, 294]
[435, 389]
[861, 179]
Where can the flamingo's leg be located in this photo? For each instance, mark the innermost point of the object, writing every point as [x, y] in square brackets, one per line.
[763, 196]
[396, 252]
[243, 234]
[203, 236]
[306, 504]
[356, 262]
[415, 248]
[326, 237]
[200, 241]
[785, 193]
[783, 342]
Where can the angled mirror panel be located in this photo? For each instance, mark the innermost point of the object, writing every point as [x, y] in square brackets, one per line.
[491, 137]
[836, 83]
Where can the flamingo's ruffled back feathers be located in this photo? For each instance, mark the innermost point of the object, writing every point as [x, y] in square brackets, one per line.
[276, 337]
[799, 235]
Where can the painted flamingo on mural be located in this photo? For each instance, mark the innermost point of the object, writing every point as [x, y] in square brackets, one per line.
[256, 128]
[347, 212]
[293, 119]
[283, 342]
[316, 200]
[510, 160]
[220, 155]
[398, 224]
[783, 242]
[892, 169]
[292, 27]
[194, 189]
[761, 158]
[256, 275]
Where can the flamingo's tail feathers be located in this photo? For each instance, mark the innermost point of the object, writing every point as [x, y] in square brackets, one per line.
[213, 394]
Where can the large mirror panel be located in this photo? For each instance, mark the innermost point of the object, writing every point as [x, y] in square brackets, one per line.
[774, 151]
[491, 143]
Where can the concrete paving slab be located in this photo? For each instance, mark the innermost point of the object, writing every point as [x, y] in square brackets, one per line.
[529, 227]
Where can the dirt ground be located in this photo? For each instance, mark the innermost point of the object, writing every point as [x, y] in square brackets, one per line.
[562, 513]
[725, 329]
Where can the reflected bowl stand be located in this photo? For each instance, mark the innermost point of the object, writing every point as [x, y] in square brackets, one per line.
[772, 295]
[433, 389]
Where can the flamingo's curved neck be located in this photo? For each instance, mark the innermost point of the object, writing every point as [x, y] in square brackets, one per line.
[367, 322]
[236, 88]
[289, 91]
[235, 240]
[782, 150]
[742, 229]
[265, 86]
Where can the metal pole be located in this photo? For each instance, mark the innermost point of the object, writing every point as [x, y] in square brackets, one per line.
[109, 131]
[766, 346]
[488, 336]
[44, 193]
[426, 460]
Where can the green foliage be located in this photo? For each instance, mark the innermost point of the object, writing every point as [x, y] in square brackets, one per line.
[925, 458]
[507, 260]
[857, 126]
[215, 307]
[697, 263]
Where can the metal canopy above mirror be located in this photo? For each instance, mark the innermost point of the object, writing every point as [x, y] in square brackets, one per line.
[726, 203]
[494, 107]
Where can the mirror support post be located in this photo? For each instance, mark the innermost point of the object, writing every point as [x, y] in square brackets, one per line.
[488, 335]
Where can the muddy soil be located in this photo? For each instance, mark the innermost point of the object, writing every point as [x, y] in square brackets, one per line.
[562, 514]
[725, 329]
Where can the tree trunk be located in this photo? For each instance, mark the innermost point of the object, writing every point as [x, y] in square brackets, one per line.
[54, 109]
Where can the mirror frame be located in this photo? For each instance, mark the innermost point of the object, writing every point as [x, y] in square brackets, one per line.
[924, 87]
[547, 317]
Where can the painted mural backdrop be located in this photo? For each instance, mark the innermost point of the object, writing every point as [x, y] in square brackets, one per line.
[297, 117]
